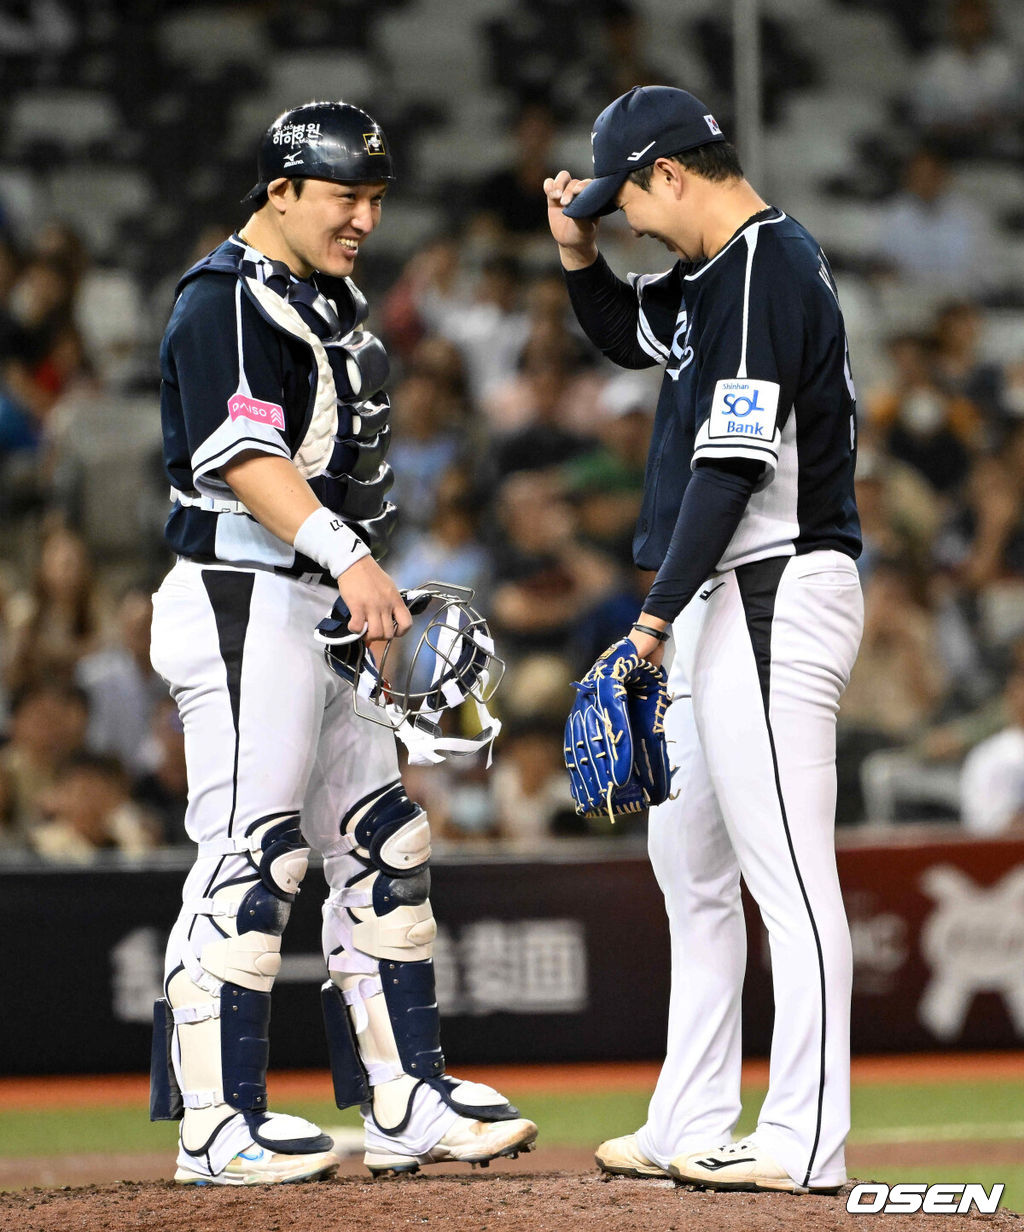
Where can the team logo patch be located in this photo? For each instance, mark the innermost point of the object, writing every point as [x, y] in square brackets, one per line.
[241, 407]
[744, 408]
[374, 143]
[712, 123]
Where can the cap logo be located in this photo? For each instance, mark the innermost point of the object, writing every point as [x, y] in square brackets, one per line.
[631, 158]
[292, 159]
[374, 143]
[712, 123]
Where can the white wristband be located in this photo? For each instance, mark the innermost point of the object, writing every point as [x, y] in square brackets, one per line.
[326, 539]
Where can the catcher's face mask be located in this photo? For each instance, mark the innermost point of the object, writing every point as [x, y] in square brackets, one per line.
[445, 660]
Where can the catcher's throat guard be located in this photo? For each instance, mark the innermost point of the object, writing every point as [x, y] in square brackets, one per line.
[447, 659]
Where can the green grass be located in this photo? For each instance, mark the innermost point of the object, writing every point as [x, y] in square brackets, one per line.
[882, 1113]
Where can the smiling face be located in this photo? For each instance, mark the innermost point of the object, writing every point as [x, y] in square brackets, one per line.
[656, 211]
[321, 227]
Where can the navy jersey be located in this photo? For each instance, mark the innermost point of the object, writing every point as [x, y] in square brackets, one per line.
[256, 360]
[756, 367]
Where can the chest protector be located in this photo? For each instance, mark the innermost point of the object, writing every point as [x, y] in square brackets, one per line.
[345, 434]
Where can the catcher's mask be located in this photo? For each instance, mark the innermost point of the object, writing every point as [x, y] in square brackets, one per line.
[447, 658]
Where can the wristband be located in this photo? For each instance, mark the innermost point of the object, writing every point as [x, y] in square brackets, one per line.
[660, 635]
[325, 538]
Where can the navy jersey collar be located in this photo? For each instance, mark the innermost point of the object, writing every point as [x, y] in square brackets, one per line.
[770, 214]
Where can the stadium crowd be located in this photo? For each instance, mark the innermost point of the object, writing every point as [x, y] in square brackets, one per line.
[518, 451]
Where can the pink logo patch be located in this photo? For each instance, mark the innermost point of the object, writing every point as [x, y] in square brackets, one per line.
[241, 407]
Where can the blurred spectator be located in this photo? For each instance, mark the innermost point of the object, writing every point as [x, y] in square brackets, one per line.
[448, 549]
[536, 51]
[898, 513]
[48, 725]
[162, 789]
[49, 351]
[431, 286]
[529, 413]
[426, 441]
[785, 66]
[918, 421]
[967, 93]
[923, 779]
[508, 203]
[546, 579]
[532, 800]
[897, 682]
[489, 329]
[992, 783]
[121, 685]
[33, 38]
[982, 543]
[61, 615]
[90, 811]
[618, 58]
[936, 238]
[962, 372]
[606, 484]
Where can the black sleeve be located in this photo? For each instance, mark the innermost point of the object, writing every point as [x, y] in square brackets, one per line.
[711, 509]
[608, 310]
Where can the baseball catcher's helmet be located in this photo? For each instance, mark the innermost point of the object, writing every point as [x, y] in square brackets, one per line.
[323, 141]
[446, 660]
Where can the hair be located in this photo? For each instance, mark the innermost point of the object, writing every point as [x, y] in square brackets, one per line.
[715, 161]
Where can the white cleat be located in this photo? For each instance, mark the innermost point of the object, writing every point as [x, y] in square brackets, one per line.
[623, 1157]
[258, 1166]
[743, 1165]
[467, 1142]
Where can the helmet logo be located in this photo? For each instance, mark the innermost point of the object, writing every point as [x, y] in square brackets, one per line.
[292, 159]
[374, 143]
[296, 134]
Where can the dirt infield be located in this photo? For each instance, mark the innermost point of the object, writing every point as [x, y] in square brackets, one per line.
[517, 1200]
[554, 1188]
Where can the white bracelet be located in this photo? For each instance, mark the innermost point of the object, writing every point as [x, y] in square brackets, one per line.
[325, 538]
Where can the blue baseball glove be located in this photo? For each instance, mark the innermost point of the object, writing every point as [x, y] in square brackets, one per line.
[615, 748]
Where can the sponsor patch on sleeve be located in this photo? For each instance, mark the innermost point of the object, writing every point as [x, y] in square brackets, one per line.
[743, 410]
[242, 406]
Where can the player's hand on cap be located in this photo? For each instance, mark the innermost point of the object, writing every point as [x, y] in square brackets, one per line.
[378, 609]
[578, 235]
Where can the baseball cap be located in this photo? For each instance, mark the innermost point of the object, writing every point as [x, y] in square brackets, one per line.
[645, 124]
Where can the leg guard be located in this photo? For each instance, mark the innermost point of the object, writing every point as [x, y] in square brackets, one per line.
[217, 1008]
[385, 1051]
[382, 970]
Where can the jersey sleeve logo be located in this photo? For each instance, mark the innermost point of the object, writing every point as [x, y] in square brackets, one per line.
[241, 406]
[744, 408]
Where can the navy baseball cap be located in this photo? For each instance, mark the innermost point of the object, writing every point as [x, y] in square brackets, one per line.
[648, 123]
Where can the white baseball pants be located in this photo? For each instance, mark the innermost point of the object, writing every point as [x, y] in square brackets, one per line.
[766, 651]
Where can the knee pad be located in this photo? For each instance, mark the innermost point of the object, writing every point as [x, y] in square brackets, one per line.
[388, 831]
[389, 903]
[252, 909]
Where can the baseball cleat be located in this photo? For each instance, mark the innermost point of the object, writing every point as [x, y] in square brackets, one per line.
[467, 1142]
[742, 1165]
[258, 1166]
[623, 1157]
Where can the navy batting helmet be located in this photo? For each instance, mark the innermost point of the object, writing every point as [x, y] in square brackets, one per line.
[322, 141]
